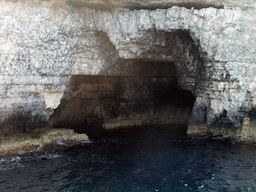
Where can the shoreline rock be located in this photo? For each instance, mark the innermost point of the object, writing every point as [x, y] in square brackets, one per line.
[39, 138]
[246, 132]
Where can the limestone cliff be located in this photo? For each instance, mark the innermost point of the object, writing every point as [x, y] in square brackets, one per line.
[44, 44]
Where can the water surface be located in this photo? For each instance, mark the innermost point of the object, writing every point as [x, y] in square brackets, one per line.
[153, 161]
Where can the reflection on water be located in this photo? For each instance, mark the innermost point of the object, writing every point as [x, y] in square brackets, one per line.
[152, 162]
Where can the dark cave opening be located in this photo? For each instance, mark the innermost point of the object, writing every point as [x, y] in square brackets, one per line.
[151, 97]
[154, 89]
[166, 92]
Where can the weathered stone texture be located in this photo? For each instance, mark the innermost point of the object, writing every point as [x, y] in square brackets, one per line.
[43, 44]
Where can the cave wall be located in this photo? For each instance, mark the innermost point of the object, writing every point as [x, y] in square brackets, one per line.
[44, 43]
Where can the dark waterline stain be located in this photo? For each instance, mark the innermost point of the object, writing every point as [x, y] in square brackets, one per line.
[108, 6]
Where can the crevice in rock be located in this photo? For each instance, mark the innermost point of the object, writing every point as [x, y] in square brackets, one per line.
[169, 5]
[110, 5]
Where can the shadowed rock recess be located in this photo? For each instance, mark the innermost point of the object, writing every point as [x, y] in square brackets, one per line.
[94, 65]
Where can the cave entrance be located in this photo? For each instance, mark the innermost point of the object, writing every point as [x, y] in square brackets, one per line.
[149, 96]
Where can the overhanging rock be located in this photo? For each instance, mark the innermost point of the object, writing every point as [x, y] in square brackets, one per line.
[44, 44]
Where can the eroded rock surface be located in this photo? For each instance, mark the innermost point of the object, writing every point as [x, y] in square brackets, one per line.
[43, 44]
[37, 140]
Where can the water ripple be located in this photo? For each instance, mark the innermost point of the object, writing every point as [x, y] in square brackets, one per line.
[149, 163]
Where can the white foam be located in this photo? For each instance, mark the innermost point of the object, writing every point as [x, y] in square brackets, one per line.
[87, 141]
[59, 142]
[49, 156]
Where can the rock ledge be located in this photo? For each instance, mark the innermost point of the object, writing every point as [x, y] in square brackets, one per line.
[36, 140]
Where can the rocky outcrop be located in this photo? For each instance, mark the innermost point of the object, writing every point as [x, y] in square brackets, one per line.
[44, 44]
[38, 139]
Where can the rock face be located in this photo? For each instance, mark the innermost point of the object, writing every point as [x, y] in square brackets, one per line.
[39, 139]
[45, 45]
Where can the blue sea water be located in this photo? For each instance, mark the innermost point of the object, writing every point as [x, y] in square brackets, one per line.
[153, 161]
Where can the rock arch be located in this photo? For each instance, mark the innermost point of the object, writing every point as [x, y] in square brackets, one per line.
[44, 45]
[154, 87]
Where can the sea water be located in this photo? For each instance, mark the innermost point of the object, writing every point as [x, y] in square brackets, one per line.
[153, 161]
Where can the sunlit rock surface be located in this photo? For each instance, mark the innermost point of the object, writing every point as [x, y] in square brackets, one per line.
[38, 139]
[43, 45]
